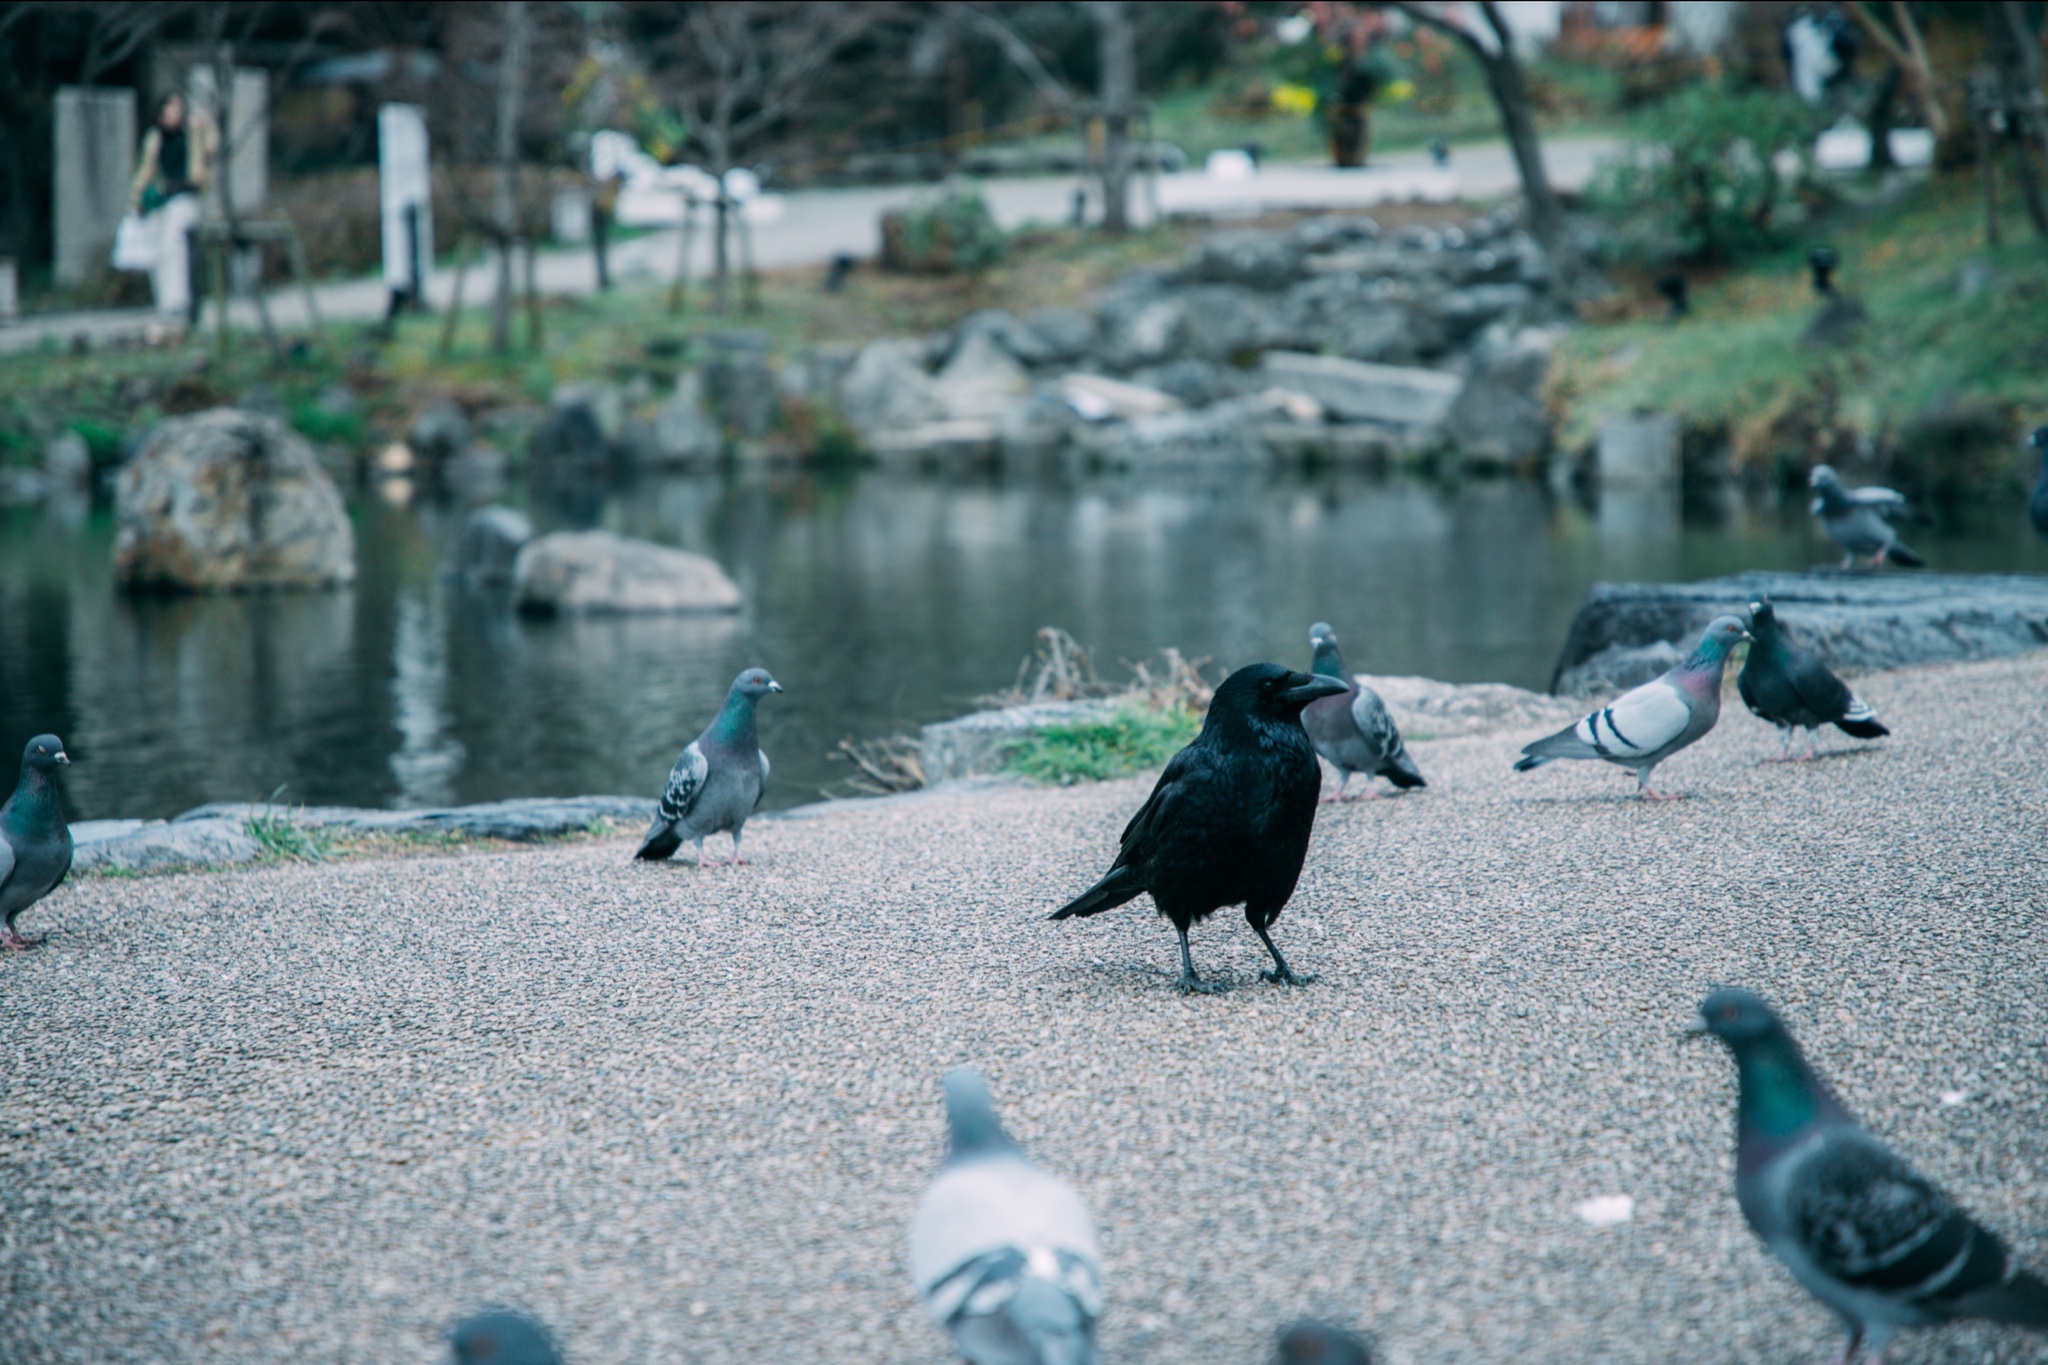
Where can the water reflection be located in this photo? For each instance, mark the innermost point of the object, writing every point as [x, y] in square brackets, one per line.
[879, 601]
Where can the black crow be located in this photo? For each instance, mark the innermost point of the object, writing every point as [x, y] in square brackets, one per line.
[1229, 822]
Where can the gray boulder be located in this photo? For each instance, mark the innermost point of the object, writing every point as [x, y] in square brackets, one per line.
[886, 389]
[684, 434]
[1465, 311]
[1016, 340]
[1226, 323]
[739, 383]
[1221, 435]
[605, 401]
[1341, 313]
[1034, 426]
[980, 380]
[571, 435]
[1066, 334]
[597, 572]
[1617, 668]
[1142, 329]
[1852, 621]
[1334, 231]
[1355, 391]
[226, 500]
[1261, 260]
[440, 432]
[520, 821]
[1196, 383]
[159, 846]
[67, 461]
[486, 549]
[477, 475]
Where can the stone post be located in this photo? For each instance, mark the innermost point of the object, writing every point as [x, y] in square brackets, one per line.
[405, 185]
[1639, 475]
[95, 160]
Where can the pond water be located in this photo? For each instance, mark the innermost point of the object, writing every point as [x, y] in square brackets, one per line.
[880, 602]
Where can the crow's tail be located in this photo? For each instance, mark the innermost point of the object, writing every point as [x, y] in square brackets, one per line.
[1120, 885]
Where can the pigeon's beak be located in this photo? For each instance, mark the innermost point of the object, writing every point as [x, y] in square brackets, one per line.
[774, 687]
[1695, 1031]
[64, 758]
[1314, 689]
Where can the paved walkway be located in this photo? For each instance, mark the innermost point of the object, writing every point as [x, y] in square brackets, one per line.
[317, 1113]
[809, 227]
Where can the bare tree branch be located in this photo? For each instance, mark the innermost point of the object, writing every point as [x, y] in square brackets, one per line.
[1911, 56]
[1023, 58]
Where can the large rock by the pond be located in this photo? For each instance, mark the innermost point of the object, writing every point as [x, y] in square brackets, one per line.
[486, 549]
[1854, 621]
[684, 434]
[598, 572]
[225, 500]
[519, 821]
[159, 845]
[571, 435]
[886, 389]
[1262, 260]
[1356, 391]
[440, 432]
[981, 380]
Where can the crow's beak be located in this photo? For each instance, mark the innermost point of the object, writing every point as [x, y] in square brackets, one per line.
[64, 758]
[1315, 688]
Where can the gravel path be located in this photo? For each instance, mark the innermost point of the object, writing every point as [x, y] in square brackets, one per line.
[318, 1113]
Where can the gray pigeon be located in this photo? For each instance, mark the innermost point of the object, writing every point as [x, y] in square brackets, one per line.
[718, 778]
[503, 1338]
[1643, 727]
[1856, 1226]
[1002, 1254]
[1354, 732]
[2037, 505]
[35, 843]
[1309, 1342]
[1856, 519]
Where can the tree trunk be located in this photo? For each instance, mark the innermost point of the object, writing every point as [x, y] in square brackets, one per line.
[1117, 93]
[1883, 114]
[505, 209]
[2020, 92]
[1510, 92]
[2027, 72]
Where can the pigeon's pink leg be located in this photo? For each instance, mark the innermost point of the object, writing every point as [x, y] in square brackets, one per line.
[1812, 740]
[13, 942]
[1371, 793]
[1343, 781]
[1785, 752]
[1877, 560]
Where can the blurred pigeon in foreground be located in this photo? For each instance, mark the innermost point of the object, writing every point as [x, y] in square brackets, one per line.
[1852, 1221]
[1855, 518]
[1643, 727]
[2037, 505]
[1229, 822]
[1788, 687]
[1003, 1254]
[1354, 731]
[501, 1338]
[35, 843]
[1309, 1342]
[718, 779]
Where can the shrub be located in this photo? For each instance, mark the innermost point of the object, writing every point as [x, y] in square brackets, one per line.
[1704, 183]
[957, 233]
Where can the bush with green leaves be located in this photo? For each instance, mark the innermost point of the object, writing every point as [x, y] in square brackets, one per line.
[956, 233]
[1713, 176]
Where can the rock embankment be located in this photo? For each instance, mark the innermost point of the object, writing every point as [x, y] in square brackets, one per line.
[1627, 633]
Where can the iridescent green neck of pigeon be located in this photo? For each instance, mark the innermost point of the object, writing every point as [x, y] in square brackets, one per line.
[1710, 657]
[1329, 663]
[735, 723]
[35, 796]
[1778, 1092]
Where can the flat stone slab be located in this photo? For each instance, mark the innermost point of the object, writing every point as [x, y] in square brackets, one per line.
[1358, 391]
[159, 845]
[1857, 622]
[520, 821]
[1424, 708]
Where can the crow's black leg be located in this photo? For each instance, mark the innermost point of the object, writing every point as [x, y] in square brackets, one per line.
[1188, 980]
[1281, 971]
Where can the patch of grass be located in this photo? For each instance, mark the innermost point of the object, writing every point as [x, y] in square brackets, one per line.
[1739, 370]
[282, 841]
[1130, 740]
[316, 423]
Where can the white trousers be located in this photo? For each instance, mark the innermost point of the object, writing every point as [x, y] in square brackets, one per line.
[171, 277]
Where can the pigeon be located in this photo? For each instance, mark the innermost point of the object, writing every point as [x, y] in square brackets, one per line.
[1309, 1342]
[1855, 518]
[718, 778]
[1229, 821]
[1354, 732]
[502, 1338]
[35, 843]
[1857, 1227]
[1788, 687]
[2037, 505]
[1643, 727]
[1003, 1255]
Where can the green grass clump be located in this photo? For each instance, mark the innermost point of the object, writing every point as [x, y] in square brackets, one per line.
[1130, 740]
[283, 841]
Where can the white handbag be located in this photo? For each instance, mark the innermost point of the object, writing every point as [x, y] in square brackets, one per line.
[135, 243]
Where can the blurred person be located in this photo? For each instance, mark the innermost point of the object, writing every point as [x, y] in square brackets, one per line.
[175, 164]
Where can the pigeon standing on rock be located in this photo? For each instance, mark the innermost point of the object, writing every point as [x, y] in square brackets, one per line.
[2037, 505]
[1791, 689]
[1856, 1226]
[1229, 821]
[718, 779]
[1354, 731]
[1003, 1254]
[1856, 520]
[1643, 727]
[35, 843]
[502, 1338]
